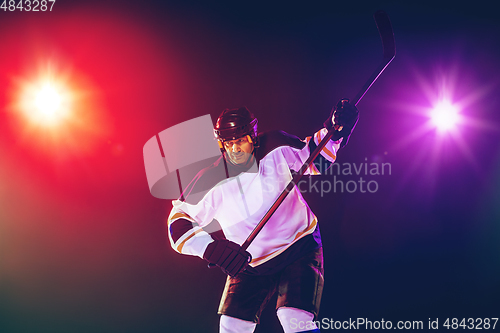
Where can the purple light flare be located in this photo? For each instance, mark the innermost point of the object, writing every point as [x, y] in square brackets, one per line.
[445, 116]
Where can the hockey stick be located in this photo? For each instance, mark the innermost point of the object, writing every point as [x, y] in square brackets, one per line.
[386, 34]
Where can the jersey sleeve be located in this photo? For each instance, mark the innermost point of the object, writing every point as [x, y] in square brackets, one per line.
[185, 227]
[191, 225]
[323, 161]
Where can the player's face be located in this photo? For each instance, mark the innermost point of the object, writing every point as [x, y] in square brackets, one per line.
[239, 150]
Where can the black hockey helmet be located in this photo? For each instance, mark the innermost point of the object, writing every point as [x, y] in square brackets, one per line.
[236, 123]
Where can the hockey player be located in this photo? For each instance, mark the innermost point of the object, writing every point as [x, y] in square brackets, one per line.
[286, 256]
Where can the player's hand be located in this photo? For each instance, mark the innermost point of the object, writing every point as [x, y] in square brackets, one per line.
[345, 116]
[227, 255]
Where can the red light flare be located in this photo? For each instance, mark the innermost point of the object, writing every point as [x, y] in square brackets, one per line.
[46, 102]
[56, 110]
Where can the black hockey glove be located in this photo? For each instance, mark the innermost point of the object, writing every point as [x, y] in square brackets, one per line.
[227, 255]
[343, 114]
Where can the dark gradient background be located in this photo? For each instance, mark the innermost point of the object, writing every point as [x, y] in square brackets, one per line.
[83, 244]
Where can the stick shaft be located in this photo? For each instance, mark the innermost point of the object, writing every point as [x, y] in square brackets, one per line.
[289, 187]
[387, 36]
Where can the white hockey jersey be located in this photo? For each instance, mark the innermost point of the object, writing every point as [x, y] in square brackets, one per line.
[235, 199]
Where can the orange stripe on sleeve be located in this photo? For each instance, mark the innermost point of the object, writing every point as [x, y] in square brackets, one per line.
[317, 138]
[325, 150]
[180, 215]
[181, 245]
[329, 153]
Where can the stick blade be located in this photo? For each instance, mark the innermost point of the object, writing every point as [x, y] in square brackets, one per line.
[386, 34]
